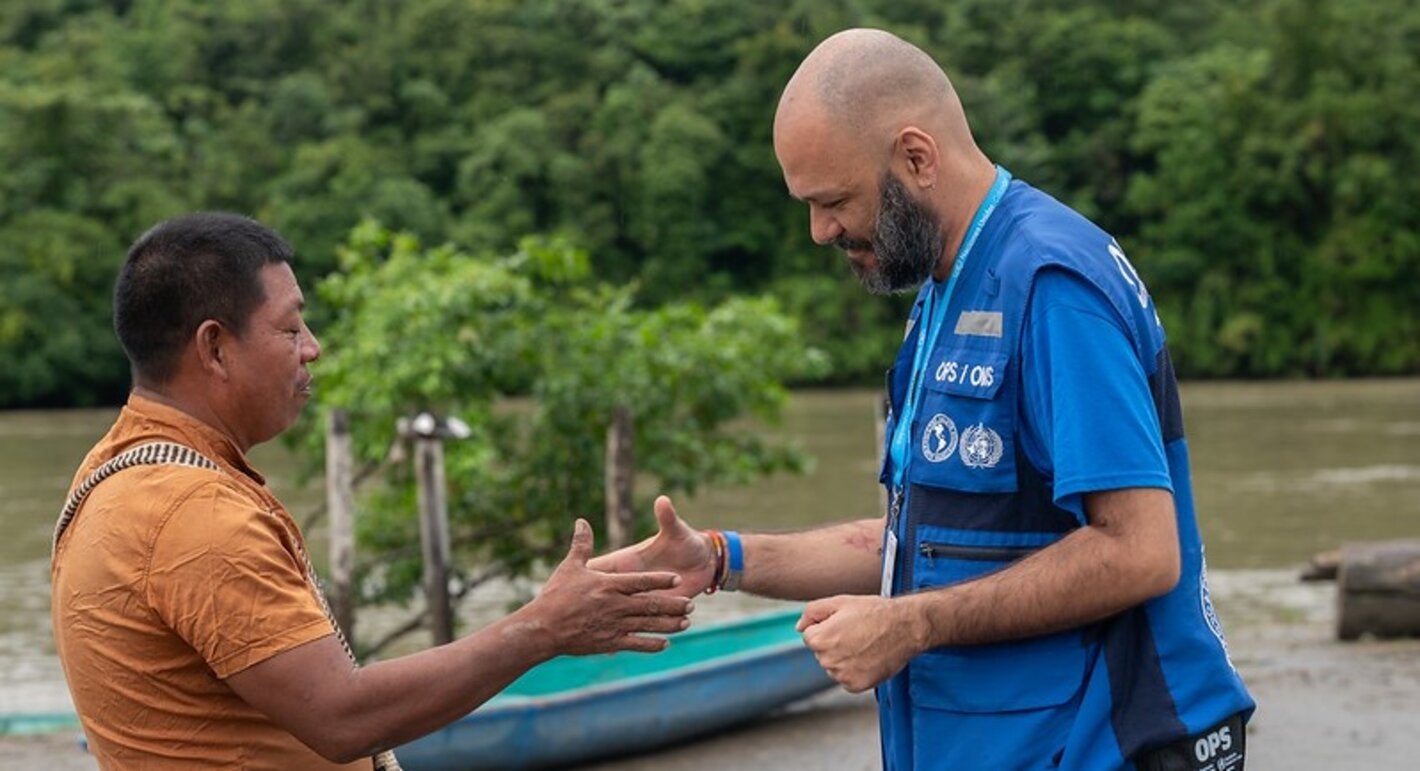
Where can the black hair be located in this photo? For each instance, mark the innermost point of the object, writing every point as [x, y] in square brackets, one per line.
[183, 272]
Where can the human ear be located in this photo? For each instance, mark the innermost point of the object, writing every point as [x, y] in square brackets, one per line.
[919, 156]
[211, 341]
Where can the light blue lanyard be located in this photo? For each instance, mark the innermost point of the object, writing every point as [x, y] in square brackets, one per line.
[929, 324]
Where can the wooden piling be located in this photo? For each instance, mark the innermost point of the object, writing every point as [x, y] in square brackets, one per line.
[620, 478]
[340, 504]
[434, 533]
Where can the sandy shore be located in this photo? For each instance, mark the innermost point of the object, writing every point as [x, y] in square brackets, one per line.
[1322, 705]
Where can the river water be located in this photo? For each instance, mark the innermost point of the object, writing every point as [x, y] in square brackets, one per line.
[1282, 470]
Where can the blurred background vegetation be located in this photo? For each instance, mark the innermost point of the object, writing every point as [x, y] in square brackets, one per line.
[1258, 158]
[458, 333]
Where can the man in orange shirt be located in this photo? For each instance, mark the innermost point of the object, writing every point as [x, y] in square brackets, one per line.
[187, 621]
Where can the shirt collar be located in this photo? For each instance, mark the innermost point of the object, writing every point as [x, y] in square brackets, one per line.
[170, 422]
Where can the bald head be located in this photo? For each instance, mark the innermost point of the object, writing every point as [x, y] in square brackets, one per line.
[870, 134]
[871, 83]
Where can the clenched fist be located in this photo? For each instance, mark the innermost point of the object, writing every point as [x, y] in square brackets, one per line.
[860, 641]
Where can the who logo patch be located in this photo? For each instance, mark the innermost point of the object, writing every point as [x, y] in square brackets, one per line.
[981, 447]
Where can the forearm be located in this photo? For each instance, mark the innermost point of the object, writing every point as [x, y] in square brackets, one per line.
[1099, 570]
[392, 702]
[839, 559]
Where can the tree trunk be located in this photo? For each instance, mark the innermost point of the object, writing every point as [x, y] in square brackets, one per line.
[1378, 589]
[434, 533]
[620, 478]
[340, 502]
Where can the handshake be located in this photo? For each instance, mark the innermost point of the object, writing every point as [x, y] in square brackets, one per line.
[623, 600]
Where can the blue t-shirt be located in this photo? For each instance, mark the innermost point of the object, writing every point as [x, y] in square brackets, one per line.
[1088, 420]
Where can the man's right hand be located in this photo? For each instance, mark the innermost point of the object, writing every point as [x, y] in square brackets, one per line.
[584, 610]
[675, 547]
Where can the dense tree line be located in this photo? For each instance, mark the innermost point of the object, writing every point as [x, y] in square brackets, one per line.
[1257, 159]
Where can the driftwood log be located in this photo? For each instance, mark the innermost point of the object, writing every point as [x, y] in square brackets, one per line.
[1378, 589]
[1323, 566]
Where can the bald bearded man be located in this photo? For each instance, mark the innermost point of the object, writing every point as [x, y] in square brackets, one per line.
[1035, 596]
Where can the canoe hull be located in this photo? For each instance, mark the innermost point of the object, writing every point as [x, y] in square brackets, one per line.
[621, 719]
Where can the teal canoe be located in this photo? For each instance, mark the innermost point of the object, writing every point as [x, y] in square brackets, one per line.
[577, 709]
[38, 723]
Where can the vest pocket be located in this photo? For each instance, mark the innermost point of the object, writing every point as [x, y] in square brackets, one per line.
[966, 424]
[1033, 673]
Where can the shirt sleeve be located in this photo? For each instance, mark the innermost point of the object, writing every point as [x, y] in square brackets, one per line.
[1089, 419]
[226, 577]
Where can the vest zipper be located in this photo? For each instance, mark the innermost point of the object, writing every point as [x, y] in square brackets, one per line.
[975, 553]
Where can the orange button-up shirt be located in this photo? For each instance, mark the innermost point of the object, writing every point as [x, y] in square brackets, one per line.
[169, 580]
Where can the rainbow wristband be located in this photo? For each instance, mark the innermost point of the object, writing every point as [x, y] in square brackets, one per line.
[717, 544]
[734, 562]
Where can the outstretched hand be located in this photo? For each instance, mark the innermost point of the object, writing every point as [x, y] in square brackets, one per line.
[676, 547]
[586, 610]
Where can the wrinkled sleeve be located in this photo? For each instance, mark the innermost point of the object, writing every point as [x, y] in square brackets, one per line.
[1091, 422]
[226, 577]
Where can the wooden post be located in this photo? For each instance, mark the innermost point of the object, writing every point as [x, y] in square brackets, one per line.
[340, 503]
[620, 478]
[434, 531]
[1378, 589]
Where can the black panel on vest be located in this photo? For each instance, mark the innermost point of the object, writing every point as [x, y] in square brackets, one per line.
[1031, 509]
[1164, 387]
[961, 510]
[1143, 712]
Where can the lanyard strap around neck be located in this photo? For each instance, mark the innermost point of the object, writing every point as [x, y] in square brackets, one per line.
[929, 325]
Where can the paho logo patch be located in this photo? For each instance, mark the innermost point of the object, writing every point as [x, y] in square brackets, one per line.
[939, 439]
[1209, 613]
[981, 447]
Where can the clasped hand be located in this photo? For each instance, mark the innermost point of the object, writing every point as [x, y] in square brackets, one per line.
[676, 547]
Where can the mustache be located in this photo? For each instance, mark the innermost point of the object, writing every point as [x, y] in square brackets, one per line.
[852, 245]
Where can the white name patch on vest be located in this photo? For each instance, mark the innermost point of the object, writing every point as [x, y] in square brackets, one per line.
[979, 323]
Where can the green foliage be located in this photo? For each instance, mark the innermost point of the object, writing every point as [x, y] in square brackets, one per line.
[55, 341]
[443, 330]
[1257, 159]
[1279, 223]
[860, 334]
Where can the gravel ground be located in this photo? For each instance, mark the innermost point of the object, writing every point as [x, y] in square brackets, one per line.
[1322, 705]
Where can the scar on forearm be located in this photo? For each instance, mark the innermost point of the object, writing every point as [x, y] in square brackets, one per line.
[863, 541]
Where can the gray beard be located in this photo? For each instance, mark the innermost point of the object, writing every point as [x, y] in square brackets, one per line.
[907, 242]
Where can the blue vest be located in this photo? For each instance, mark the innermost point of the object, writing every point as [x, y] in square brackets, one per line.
[1087, 698]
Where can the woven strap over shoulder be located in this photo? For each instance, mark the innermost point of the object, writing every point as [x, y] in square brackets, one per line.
[151, 454]
[174, 454]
